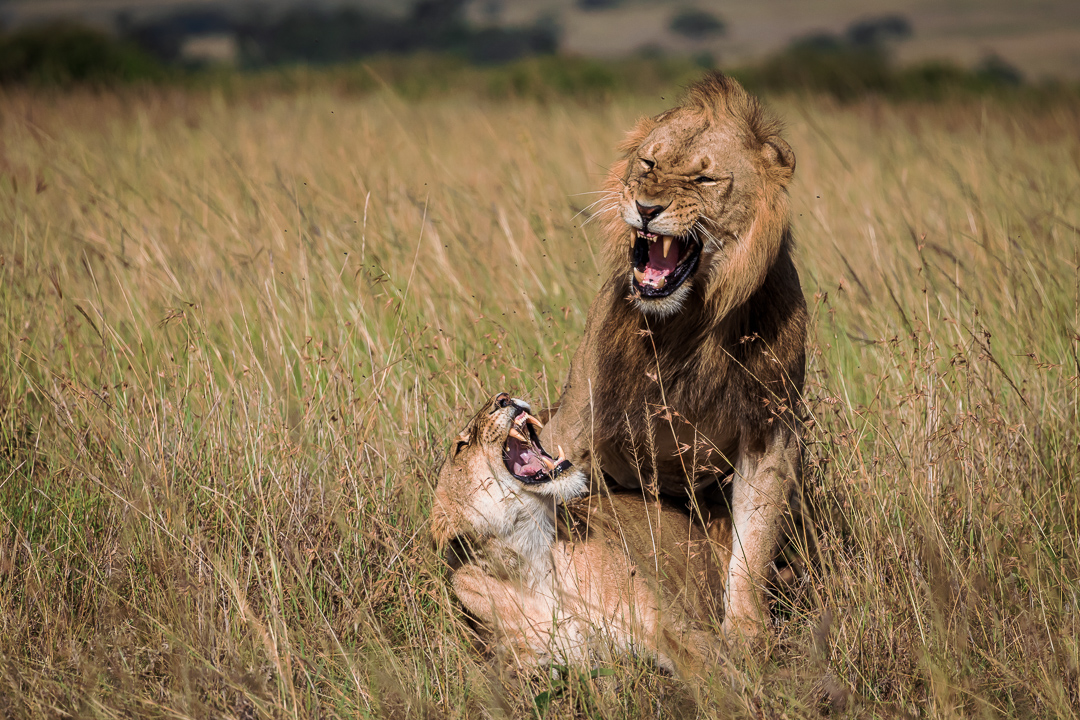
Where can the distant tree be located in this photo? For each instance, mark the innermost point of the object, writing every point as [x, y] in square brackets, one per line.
[65, 53]
[163, 37]
[828, 63]
[598, 4]
[995, 70]
[320, 33]
[697, 24]
[873, 32]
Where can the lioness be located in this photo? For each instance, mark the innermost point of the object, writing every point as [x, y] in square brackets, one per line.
[616, 572]
[694, 350]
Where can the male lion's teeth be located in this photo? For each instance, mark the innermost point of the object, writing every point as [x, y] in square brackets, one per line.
[562, 457]
[515, 433]
[639, 276]
[660, 283]
[548, 462]
[667, 244]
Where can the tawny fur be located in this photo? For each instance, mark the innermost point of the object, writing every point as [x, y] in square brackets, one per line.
[674, 394]
[609, 573]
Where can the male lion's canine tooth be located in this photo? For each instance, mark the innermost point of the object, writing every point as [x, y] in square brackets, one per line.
[639, 276]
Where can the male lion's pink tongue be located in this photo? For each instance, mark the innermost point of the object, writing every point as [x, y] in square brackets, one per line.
[659, 267]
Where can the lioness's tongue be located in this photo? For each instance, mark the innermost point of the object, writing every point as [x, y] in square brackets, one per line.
[660, 267]
[522, 459]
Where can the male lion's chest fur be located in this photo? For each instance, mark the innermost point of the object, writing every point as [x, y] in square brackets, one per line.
[671, 399]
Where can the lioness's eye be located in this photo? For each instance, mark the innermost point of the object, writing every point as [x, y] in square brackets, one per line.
[703, 180]
[649, 164]
[459, 446]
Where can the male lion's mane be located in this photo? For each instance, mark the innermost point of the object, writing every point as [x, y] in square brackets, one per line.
[675, 391]
[738, 347]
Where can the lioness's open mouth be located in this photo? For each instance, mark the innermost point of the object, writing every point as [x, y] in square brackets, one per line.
[525, 457]
[662, 262]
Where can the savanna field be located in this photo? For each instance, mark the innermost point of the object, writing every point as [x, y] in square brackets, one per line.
[240, 328]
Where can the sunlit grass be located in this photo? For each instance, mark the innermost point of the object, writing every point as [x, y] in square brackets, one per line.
[240, 332]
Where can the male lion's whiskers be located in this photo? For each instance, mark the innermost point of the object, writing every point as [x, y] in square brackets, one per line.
[602, 211]
[699, 227]
[606, 195]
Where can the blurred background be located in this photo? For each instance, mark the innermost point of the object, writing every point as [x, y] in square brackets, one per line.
[260, 261]
[843, 47]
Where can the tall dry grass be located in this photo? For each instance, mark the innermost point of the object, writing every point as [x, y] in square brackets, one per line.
[240, 330]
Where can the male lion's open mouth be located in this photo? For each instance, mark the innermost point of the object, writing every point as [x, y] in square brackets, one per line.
[662, 262]
[525, 457]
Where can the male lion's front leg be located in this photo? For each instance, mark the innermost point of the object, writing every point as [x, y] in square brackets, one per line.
[764, 476]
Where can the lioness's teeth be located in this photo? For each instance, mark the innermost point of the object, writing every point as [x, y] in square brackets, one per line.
[548, 462]
[520, 419]
[562, 457]
[534, 421]
[667, 244]
[515, 433]
[639, 276]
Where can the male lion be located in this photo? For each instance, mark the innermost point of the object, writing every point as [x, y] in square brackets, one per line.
[693, 356]
[616, 572]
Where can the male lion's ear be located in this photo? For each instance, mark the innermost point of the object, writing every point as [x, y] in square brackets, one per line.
[635, 137]
[779, 157]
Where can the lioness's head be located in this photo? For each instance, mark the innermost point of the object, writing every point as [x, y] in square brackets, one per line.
[494, 473]
[701, 199]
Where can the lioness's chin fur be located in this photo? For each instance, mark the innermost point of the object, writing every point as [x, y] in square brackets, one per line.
[693, 358]
[565, 590]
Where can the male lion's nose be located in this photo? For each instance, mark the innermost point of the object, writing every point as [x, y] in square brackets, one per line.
[648, 212]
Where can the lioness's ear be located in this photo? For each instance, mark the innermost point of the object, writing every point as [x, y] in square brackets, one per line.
[779, 157]
[462, 441]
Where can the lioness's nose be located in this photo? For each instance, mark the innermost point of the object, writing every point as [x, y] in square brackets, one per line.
[648, 212]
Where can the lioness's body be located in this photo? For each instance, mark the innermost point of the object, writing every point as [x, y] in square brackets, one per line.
[693, 357]
[613, 572]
